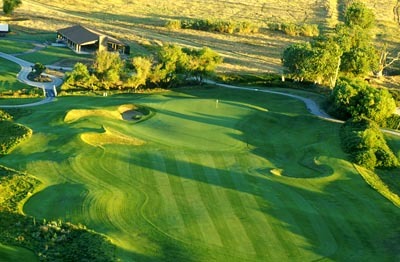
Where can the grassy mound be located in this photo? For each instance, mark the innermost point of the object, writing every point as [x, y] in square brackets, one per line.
[110, 136]
[75, 114]
[11, 134]
[50, 240]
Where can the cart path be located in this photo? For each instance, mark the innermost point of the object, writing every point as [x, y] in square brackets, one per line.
[22, 76]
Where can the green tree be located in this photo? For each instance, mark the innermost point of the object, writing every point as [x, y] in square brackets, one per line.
[79, 76]
[142, 67]
[200, 63]
[298, 61]
[359, 54]
[38, 69]
[108, 68]
[354, 99]
[10, 5]
[357, 14]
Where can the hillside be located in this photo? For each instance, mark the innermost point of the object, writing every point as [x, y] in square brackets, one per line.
[141, 23]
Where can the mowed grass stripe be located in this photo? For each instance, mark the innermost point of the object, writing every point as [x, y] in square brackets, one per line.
[233, 227]
[258, 227]
[208, 233]
[170, 212]
[182, 199]
[288, 243]
[372, 217]
[209, 197]
[311, 219]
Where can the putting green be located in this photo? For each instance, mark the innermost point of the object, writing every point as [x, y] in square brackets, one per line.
[221, 175]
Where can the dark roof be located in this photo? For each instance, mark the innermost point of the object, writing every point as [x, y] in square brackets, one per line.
[80, 35]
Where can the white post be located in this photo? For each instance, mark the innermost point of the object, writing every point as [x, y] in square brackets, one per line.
[55, 90]
[44, 91]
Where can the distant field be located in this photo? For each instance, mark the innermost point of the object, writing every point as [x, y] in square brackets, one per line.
[142, 23]
[253, 177]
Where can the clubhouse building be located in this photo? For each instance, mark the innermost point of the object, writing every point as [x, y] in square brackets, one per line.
[84, 40]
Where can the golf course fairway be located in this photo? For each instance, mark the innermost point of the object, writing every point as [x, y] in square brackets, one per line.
[209, 175]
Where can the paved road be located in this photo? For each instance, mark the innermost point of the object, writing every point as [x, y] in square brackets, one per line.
[26, 68]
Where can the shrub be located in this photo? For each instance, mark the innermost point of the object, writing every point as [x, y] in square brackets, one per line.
[309, 30]
[275, 26]
[352, 99]
[393, 122]
[290, 29]
[220, 26]
[364, 142]
[173, 24]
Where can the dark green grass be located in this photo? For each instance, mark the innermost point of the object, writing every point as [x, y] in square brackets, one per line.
[8, 76]
[12, 253]
[14, 47]
[51, 55]
[253, 177]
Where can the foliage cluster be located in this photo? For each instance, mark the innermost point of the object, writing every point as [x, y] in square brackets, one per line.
[50, 240]
[292, 29]
[172, 66]
[10, 5]
[220, 26]
[355, 99]
[36, 73]
[349, 50]
[11, 134]
[364, 141]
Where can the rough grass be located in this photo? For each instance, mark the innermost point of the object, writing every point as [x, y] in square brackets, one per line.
[201, 188]
[260, 52]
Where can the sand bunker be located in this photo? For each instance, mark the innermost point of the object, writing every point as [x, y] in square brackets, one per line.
[124, 112]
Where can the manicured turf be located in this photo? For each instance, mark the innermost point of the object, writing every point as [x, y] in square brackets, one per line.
[253, 177]
[14, 46]
[8, 79]
[51, 55]
[10, 253]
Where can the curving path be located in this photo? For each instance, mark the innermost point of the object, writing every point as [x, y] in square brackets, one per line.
[26, 66]
[22, 76]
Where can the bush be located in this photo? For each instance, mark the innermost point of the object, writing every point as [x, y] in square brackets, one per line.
[364, 142]
[352, 99]
[309, 30]
[11, 135]
[290, 29]
[393, 122]
[173, 24]
[220, 26]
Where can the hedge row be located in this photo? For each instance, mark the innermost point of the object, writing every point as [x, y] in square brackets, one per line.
[209, 25]
[363, 140]
[295, 29]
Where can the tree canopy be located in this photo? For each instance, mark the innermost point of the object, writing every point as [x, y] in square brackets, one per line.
[172, 66]
[10, 5]
[354, 99]
[348, 50]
